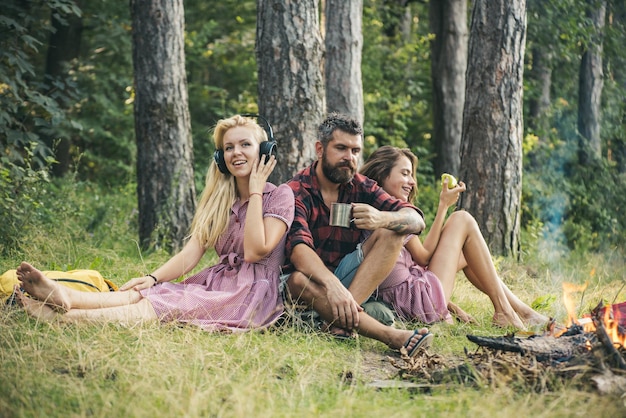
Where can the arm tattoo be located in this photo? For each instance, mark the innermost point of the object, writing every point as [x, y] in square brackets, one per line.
[405, 222]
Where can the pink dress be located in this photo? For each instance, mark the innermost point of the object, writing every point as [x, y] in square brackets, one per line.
[414, 291]
[232, 295]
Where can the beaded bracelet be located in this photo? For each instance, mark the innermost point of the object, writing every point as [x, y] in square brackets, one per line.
[155, 279]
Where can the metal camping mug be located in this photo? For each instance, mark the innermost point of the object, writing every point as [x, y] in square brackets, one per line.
[340, 214]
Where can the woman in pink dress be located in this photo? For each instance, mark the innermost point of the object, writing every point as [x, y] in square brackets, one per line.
[420, 285]
[240, 214]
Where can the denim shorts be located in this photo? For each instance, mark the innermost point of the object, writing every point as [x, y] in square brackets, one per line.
[348, 266]
[345, 270]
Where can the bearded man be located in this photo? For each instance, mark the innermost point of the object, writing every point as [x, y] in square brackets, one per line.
[335, 269]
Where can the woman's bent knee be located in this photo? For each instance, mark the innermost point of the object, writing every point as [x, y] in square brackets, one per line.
[460, 218]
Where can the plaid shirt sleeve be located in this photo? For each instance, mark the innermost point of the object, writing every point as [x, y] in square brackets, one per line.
[300, 232]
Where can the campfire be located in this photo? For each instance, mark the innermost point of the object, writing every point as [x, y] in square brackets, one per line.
[606, 322]
[613, 316]
[590, 348]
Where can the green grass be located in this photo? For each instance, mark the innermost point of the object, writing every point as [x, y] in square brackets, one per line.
[165, 370]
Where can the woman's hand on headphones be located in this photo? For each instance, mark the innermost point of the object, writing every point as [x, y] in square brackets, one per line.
[261, 170]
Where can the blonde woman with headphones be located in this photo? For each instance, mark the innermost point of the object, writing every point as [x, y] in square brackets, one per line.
[241, 215]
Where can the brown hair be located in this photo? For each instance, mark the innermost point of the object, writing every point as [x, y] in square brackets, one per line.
[336, 121]
[379, 164]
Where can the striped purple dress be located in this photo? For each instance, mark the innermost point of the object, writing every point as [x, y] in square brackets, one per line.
[414, 291]
[232, 295]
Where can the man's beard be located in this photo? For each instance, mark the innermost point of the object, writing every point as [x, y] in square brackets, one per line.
[337, 174]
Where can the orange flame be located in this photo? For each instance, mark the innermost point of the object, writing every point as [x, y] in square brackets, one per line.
[610, 320]
[568, 301]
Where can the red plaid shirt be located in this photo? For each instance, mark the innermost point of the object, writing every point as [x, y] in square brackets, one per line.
[311, 224]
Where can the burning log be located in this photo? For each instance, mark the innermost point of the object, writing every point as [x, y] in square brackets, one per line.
[591, 350]
[599, 317]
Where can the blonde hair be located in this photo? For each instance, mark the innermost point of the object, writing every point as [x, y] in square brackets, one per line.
[220, 190]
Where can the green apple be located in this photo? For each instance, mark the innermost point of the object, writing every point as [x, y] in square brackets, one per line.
[451, 180]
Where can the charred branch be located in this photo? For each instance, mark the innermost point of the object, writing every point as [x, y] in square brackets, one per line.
[543, 348]
[613, 357]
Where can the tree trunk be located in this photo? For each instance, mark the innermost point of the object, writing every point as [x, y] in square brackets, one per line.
[344, 42]
[590, 88]
[165, 181]
[448, 22]
[63, 48]
[291, 85]
[541, 73]
[491, 146]
[616, 151]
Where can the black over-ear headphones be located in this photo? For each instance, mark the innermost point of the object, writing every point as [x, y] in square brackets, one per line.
[268, 147]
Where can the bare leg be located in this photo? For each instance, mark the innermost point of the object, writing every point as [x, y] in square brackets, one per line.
[528, 314]
[40, 287]
[139, 312]
[46, 290]
[460, 314]
[380, 253]
[35, 308]
[135, 313]
[303, 290]
[462, 235]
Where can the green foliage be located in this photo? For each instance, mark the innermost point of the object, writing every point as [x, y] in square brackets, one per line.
[104, 150]
[221, 68]
[21, 187]
[579, 205]
[99, 112]
[30, 107]
[396, 80]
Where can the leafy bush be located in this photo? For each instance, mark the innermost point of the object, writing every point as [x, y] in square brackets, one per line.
[20, 191]
[579, 206]
[29, 108]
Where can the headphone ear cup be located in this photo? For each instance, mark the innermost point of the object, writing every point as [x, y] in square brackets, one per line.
[218, 156]
[268, 148]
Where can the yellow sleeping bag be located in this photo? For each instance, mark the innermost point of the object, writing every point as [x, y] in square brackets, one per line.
[85, 280]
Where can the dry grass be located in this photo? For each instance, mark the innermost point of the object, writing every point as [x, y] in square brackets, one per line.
[160, 370]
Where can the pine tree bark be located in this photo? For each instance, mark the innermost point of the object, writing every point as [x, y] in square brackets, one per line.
[291, 84]
[344, 44]
[590, 88]
[165, 181]
[491, 145]
[448, 22]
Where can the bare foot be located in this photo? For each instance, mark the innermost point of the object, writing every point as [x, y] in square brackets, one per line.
[503, 319]
[534, 318]
[35, 308]
[460, 314]
[418, 341]
[42, 288]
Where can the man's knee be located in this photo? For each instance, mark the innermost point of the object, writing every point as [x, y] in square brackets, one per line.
[385, 239]
[386, 235]
[299, 287]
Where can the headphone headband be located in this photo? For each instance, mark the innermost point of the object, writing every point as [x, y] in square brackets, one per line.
[268, 127]
[267, 148]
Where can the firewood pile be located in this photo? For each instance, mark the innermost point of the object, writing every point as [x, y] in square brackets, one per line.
[540, 363]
